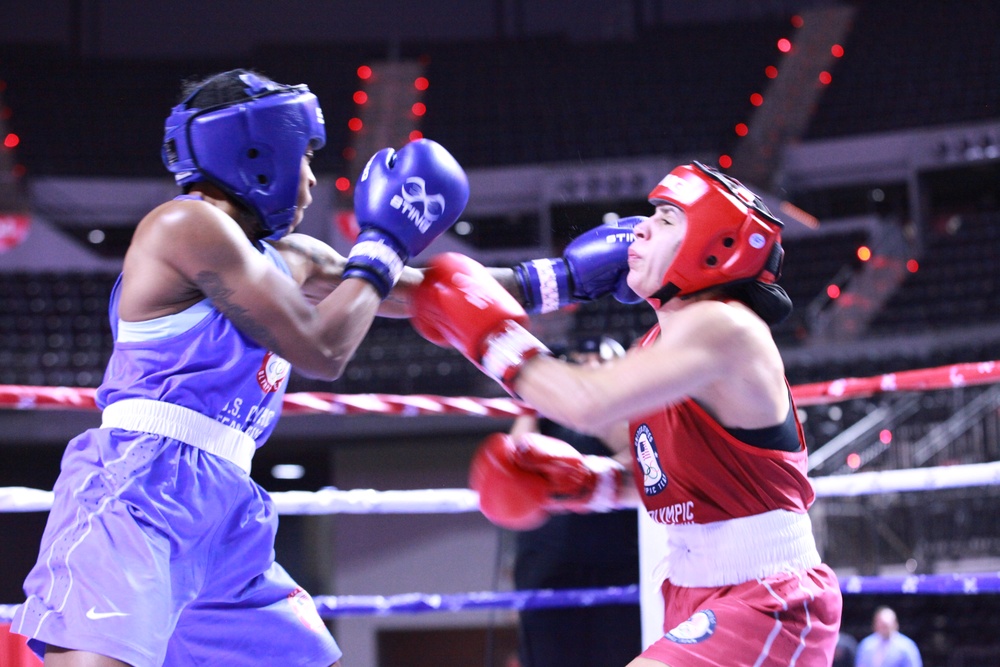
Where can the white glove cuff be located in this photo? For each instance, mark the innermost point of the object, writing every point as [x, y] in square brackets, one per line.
[507, 350]
[379, 253]
[609, 476]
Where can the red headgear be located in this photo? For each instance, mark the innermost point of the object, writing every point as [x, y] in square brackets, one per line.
[731, 236]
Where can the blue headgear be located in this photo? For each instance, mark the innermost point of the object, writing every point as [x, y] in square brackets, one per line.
[252, 148]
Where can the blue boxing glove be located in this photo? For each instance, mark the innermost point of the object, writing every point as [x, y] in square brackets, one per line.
[404, 200]
[594, 264]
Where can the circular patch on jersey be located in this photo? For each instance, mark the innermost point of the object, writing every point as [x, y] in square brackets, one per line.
[654, 480]
[305, 610]
[273, 370]
[696, 629]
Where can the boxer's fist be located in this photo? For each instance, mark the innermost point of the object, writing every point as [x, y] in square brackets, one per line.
[403, 200]
[594, 264]
[522, 482]
[508, 496]
[459, 303]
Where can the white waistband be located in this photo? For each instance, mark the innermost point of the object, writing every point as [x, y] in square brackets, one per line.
[726, 553]
[184, 424]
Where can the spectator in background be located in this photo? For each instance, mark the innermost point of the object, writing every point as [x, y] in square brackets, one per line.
[846, 651]
[887, 646]
[579, 551]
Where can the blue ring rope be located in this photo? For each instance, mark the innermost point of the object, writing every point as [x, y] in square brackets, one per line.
[334, 606]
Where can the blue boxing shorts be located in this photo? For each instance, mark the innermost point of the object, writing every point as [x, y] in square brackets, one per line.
[159, 553]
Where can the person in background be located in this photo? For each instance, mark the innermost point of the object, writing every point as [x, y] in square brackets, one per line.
[886, 646]
[578, 551]
[846, 651]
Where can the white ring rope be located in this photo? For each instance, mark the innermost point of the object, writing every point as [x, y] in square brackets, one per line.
[452, 501]
[914, 479]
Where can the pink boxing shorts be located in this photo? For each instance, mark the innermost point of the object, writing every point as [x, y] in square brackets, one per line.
[787, 619]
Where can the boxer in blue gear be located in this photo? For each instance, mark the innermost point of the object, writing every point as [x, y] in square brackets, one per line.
[159, 548]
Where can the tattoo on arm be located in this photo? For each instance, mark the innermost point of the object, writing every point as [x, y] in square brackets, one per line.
[220, 295]
[316, 258]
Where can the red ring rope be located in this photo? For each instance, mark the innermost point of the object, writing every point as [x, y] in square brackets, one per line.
[23, 397]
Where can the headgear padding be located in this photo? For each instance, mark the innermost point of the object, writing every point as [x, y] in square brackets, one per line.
[251, 148]
[731, 236]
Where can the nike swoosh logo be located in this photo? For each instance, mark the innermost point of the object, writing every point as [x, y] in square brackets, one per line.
[95, 615]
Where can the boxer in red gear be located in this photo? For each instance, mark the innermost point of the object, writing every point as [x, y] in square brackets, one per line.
[703, 407]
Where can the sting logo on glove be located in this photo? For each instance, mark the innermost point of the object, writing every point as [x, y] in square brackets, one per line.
[414, 192]
[397, 216]
[621, 237]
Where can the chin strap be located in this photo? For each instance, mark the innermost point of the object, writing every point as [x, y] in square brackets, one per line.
[772, 268]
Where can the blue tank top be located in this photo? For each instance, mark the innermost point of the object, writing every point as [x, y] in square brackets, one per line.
[199, 360]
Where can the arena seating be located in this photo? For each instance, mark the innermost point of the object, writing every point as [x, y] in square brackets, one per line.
[930, 64]
[54, 328]
[539, 99]
[957, 282]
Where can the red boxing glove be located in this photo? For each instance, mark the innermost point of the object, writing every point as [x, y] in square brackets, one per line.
[508, 495]
[460, 304]
[521, 483]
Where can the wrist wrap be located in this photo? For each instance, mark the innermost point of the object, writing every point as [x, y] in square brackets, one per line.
[376, 262]
[545, 284]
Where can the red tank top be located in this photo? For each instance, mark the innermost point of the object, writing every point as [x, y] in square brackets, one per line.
[689, 469]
